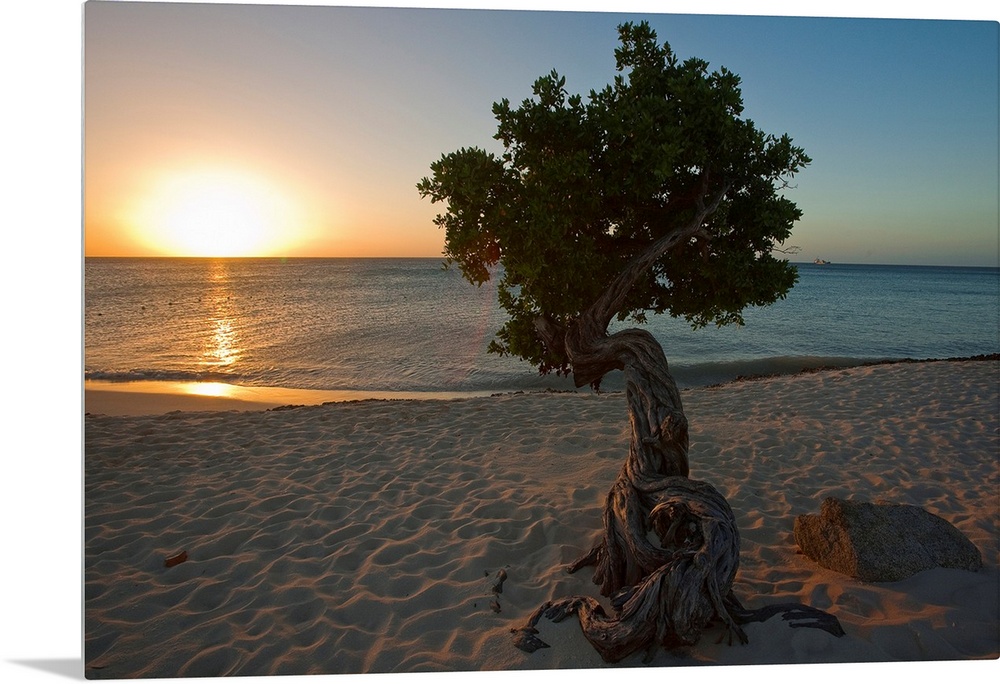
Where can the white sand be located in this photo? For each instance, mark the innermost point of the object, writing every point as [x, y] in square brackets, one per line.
[357, 537]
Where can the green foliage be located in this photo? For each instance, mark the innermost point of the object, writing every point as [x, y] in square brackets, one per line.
[584, 186]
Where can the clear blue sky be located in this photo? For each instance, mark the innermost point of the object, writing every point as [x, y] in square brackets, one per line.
[341, 110]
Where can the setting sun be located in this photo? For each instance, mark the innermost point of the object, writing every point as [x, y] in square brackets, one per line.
[217, 212]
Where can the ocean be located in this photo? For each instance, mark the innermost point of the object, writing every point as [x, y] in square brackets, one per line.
[408, 325]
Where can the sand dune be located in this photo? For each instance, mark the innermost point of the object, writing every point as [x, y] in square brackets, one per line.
[363, 537]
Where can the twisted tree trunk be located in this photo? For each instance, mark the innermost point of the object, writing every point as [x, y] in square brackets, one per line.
[664, 592]
[670, 546]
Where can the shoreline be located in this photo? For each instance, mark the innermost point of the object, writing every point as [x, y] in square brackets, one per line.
[860, 364]
[151, 397]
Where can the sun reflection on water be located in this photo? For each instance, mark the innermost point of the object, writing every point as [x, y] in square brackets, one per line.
[222, 351]
[210, 389]
[222, 348]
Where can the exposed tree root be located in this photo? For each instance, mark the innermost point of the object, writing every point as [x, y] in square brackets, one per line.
[637, 623]
[679, 584]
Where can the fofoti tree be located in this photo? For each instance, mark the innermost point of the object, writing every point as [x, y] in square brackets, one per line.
[653, 195]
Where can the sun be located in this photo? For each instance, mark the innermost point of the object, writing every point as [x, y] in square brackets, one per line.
[217, 213]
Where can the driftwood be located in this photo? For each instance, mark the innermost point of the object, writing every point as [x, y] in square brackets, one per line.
[175, 560]
[669, 551]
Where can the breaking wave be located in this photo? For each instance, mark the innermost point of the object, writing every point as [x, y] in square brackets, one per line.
[138, 374]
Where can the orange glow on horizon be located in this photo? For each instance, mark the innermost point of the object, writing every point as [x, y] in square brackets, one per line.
[218, 212]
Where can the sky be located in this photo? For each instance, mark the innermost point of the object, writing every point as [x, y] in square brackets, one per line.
[303, 130]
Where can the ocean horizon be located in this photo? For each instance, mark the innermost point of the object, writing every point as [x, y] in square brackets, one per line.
[406, 325]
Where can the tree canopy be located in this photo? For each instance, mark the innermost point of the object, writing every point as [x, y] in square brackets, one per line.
[658, 173]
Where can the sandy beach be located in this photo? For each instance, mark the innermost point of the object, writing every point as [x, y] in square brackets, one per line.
[362, 537]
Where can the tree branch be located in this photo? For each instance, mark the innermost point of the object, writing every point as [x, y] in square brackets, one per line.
[553, 335]
[597, 317]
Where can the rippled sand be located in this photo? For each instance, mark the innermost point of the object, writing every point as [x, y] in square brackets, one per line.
[363, 537]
